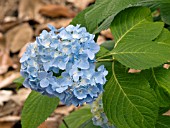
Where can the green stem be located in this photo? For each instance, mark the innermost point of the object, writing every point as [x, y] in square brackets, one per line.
[104, 56]
[104, 60]
[65, 123]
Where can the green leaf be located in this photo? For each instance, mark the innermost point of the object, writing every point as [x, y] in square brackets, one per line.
[80, 18]
[165, 11]
[105, 48]
[104, 11]
[133, 32]
[128, 100]
[77, 118]
[159, 79]
[164, 38]
[163, 122]
[105, 24]
[162, 78]
[19, 80]
[101, 52]
[109, 45]
[100, 16]
[88, 124]
[36, 109]
[163, 110]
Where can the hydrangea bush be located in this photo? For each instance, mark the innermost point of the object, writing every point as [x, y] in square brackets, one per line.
[67, 65]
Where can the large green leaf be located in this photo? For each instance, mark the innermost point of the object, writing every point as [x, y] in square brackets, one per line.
[104, 11]
[134, 31]
[163, 122]
[162, 78]
[102, 51]
[88, 124]
[164, 38]
[109, 45]
[80, 18]
[159, 79]
[165, 11]
[36, 109]
[128, 100]
[77, 118]
[100, 16]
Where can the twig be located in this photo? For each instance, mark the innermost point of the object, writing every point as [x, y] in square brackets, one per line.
[65, 123]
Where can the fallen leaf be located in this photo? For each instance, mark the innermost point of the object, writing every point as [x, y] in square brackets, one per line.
[100, 39]
[57, 23]
[53, 11]
[65, 110]
[6, 124]
[5, 26]
[53, 122]
[9, 80]
[18, 36]
[10, 119]
[61, 23]
[28, 9]
[81, 4]
[107, 33]
[23, 49]
[134, 71]
[43, 125]
[21, 96]
[4, 96]
[166, 66]
[5, 60]
[7, 8]
[8, 108]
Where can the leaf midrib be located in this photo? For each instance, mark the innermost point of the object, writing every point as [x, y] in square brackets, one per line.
[154, 77]
[114, 53]
[128, 31]
[114, 75]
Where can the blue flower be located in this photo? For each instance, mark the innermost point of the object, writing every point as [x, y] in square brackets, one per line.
[61, 63]
[64, 35]
[75, 73]
[82, 61]
[52, 28]
[93, 91]
[91, 49]
[44, 83]
[60, 86]
[66, 79]
[80, 92]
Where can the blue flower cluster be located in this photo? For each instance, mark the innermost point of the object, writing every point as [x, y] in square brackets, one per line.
[62, 63]
[100, 118]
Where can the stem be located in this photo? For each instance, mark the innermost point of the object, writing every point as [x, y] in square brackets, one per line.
[104, 56]
[65, 123]
[104, 60]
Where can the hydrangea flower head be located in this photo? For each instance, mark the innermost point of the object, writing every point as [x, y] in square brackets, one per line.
[62, 63]
[99, 117]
